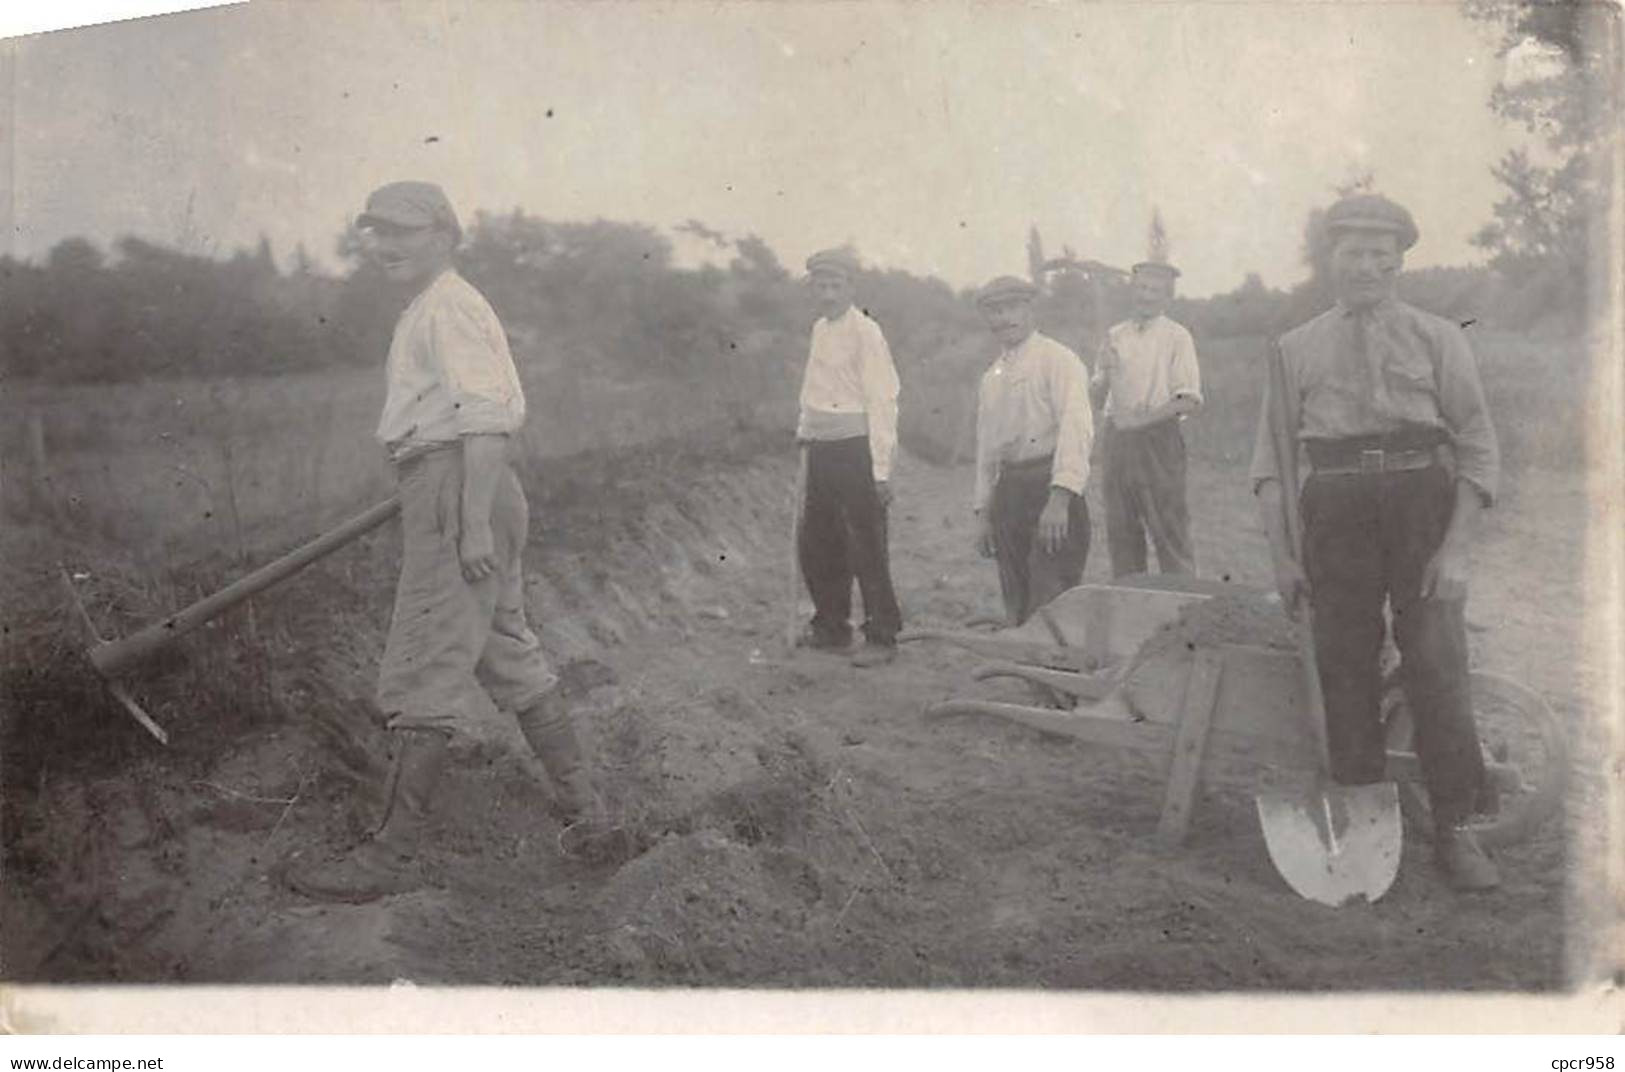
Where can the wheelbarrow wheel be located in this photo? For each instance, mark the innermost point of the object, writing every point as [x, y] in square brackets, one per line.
[1525, 757]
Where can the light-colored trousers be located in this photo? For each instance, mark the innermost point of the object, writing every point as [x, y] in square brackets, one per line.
[447, 632]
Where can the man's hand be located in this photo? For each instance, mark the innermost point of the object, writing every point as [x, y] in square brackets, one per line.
[1053, 521]
[1445, 576]
[883, 489]
[476, 551]
[1293, 585]
[985, 545]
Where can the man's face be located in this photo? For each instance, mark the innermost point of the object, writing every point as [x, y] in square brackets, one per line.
[1365, 267]
[833, 293]
[408, 255]
[1010, 319]
[1150, 293]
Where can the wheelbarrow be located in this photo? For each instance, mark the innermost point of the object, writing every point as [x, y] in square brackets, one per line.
[1196, 707]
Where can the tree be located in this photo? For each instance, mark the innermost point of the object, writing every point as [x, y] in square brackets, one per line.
[1567, 95]
[1156, 242]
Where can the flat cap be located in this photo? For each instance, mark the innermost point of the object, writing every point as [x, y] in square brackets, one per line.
[1372, 212]
[1157, 268]
[841, 260]
[1004, 288]
[410, 204]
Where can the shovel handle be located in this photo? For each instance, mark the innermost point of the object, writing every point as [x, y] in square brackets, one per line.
[112, 656]
[1283, 418]
[792, 596]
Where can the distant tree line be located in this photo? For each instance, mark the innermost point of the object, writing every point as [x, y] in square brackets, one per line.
[601, 298]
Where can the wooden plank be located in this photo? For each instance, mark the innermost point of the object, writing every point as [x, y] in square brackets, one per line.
[1119, 732]
[1094, 686]
[1002, 645]
[1190, 745]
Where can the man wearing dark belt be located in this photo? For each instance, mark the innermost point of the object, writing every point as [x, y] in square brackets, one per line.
[1148, 378]
[848, 428]
[453, 400]
[1380, 391]
[1033, 432]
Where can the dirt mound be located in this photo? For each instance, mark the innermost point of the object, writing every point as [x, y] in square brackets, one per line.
[1233, 618]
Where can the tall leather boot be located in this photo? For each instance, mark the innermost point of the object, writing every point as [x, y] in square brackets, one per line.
[551, 734]
[386, 862]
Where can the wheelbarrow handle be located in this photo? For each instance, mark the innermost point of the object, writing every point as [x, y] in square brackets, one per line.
[112, 656]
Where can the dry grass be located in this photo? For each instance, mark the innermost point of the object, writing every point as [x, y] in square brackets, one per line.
[186, 470]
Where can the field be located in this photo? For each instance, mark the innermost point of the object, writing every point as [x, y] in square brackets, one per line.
[802, 823]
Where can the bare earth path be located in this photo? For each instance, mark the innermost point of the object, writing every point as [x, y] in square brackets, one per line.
[805, 825]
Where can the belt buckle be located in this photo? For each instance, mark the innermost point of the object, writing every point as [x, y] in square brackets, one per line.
[1371, 461]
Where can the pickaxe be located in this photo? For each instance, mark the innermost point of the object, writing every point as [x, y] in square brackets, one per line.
[111, 657]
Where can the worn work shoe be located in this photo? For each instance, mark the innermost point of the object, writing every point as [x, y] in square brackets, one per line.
[875, 655]
[386, 862]
[1464, 861]
[551, 734]
[367, 872]
[821, 640]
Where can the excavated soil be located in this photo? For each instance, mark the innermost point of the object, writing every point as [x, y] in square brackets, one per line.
[798, 821]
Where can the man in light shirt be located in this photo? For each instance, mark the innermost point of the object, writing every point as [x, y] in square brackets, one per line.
[453, 401]
[1149, 379]
[1033, 432]
[1385, 402]
[848, 428]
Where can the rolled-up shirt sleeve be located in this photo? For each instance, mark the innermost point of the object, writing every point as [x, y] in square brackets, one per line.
[1466, 414]
[477, 370]
[987, 463]
[1075, 431]
[880, 389]
[1266, 466]
[1185, 375]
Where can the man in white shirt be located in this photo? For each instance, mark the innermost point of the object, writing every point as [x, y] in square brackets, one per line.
[848, 427]
[1033, 431]
[1148, 376]
[453, 401]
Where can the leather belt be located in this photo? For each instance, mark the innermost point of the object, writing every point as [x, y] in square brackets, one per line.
[1028, 466]
[1380, 461]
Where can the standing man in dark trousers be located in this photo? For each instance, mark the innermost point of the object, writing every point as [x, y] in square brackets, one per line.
[1033, 431]
[453, 400]
[1149, 380]
[1378, 394]
[848, 428]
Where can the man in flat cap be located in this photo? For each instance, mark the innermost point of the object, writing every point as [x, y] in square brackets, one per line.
[1149, 380]
[452, 404]
[1033, 432]
[1380, 396]
[848, 429]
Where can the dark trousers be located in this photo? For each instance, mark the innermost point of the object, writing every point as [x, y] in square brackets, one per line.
[843, 535]
[1367, 539]
[1145, 493]
[1029, 575]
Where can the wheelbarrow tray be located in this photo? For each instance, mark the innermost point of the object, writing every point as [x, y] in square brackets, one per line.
[1225, 703]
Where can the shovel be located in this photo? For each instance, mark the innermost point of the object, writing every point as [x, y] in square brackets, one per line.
[1334, 842]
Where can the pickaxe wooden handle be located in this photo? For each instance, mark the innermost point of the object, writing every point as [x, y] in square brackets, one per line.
[111, 656]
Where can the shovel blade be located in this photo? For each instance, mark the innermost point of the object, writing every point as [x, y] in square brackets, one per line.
[1336, 842]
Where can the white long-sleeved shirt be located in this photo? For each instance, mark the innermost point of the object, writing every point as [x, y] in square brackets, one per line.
[449, 372]
[1145, 364]
[1033, 401]
[850, 387]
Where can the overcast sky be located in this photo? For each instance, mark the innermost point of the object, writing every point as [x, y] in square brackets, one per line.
[931, 136]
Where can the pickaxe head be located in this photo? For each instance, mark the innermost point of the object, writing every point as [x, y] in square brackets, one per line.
[93, 641]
